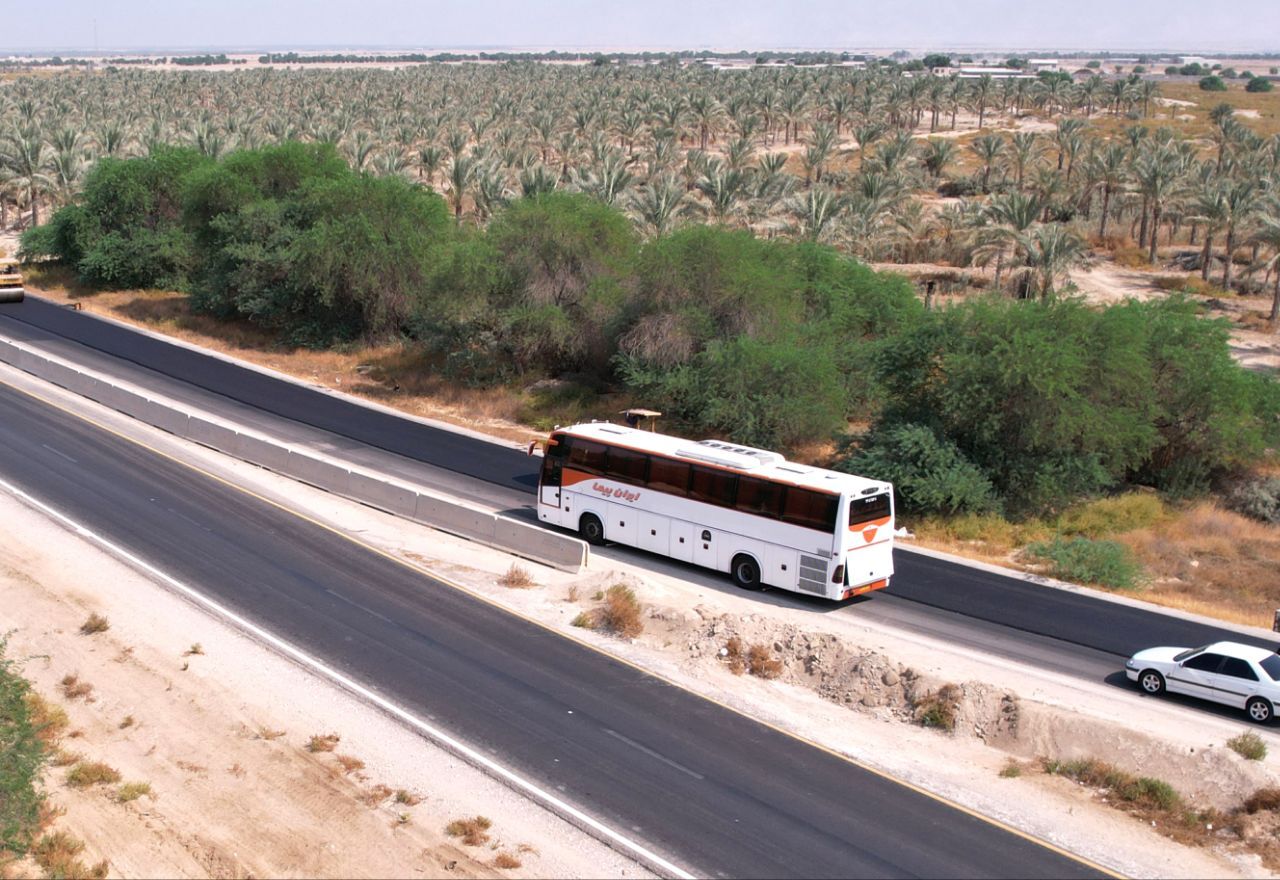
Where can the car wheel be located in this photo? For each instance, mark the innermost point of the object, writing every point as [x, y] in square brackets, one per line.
[591, 529]
[1151, 682]
[1259, 710]
[745, 573]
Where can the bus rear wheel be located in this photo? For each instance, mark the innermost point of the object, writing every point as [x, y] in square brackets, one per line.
[591, 529]
[745, 573]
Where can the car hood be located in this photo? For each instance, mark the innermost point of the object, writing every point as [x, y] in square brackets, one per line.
[1157, 655]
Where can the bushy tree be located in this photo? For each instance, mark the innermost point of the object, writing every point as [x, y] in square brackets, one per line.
[1258, 84]
[929, 473]
[1212, 84]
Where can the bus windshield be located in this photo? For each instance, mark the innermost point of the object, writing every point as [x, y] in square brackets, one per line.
[862, 510]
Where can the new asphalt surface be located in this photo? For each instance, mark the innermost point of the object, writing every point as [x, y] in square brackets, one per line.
[1076, 632]
[718, 793]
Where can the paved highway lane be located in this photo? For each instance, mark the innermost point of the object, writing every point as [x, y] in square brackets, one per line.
[1009, 616]
[721, 794]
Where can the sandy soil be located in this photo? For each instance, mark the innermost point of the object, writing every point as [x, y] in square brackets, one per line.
[219, 735]
[847, 683]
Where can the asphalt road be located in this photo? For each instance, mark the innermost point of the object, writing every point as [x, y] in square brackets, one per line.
[1075, 633]
[720, 794]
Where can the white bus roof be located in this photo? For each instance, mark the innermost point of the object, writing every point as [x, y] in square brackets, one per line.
[744, 459]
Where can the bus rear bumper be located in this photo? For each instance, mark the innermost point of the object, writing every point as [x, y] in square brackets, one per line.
[865, 588]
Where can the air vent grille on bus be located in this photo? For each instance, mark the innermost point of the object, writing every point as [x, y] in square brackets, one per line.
[813, 574]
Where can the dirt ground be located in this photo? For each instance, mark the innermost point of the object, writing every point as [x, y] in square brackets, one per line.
[845, 682]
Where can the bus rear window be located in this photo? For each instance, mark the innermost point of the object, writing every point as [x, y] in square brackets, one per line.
[813, 510]
[863, 510]
[587, 456]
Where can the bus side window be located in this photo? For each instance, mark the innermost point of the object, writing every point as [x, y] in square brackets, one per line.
[559, 446]
[627, 465]
[760, 497]
[713, 486]
[667, 475]
[587, 456]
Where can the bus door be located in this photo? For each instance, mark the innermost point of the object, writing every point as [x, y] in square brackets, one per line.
[552, 472]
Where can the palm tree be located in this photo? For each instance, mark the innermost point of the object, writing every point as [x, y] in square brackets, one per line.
[1157, 178]
[815, 212]
[462, 174]
[430, 158]
[1268, 235]
[723, 188]
[987, 148]
[659, 204]
[1049, 251]
[1109, 168]
[1209, 208]
[1240, 200]
[980, 95]
[938, 153]
[1010, 217]
[23, 153]
[1026, 150]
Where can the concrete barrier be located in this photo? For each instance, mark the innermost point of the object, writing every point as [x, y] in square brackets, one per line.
[384, 495]
[455, 519]
[211, 434]
[318, 473]
[539, 544]
[523, 539]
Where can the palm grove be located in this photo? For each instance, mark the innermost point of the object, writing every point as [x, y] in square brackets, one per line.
[686, 237]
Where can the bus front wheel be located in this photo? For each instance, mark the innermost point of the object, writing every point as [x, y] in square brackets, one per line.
[591, 529]
[745, 573]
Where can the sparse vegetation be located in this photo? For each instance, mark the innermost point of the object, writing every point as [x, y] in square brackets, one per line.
[58, 854]
[1011, 769]
[28, 726]
[407, 798]
[75, 689]
[349, 763]
[95, 623]
[131, 791]
[622, 613]
[89, 773]
[1248, 745]
[735, 656]
[196, 649]
[761, 662]
[517, 577]
[939, 708]
[323, 742]
[506, 861]
[268, 734]
[126, 722]
[473, 831]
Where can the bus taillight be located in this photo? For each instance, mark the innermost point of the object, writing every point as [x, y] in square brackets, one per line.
[837, 577]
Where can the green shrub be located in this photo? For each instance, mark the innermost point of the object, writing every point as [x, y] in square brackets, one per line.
[1258, 84]
[1248, 745]
[22, 756]
[1212, 84]
[929, 474]
[939, 708]
[1086, 561]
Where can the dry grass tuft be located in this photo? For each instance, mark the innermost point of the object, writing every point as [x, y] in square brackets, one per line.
[74, 689]
[95, 623]
[323, 742]
[516, 577]
[408, 798]
[349, 763]
[1264, 799]
[506, 861]
[761, 662]
[621, 613]
[733, 655]
[126, 722]
[1011, 769]
[375, 795]
[50, 721]
[939, 708]
[195, 649]
[268, 734]
[473, 831]
[89, 773]
[58, 854]
[1248, 745]
[131, 791]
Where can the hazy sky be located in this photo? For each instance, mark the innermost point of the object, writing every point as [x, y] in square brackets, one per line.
[726, 24]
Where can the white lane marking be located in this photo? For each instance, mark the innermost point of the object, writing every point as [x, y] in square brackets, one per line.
[563, 808]
[652, 754]
[58, 453]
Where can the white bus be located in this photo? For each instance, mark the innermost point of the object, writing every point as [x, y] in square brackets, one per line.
[748, 512]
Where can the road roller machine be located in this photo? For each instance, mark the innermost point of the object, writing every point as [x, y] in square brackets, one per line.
[11, 289]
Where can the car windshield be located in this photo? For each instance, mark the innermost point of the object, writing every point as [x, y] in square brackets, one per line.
[1188, 653]
[1271, 665]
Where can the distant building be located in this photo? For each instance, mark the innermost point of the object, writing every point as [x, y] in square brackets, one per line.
[975, 72]
[1035, 65]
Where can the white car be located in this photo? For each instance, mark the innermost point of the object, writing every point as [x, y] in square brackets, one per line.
[1237, 675]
